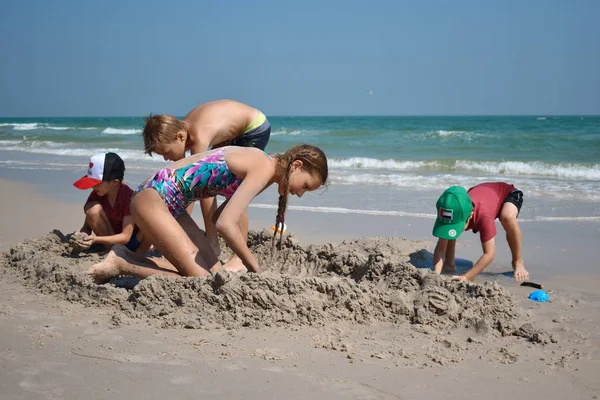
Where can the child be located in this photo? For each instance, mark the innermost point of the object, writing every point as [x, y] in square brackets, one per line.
[239, 174]
[108, 219]
[216, 124]
[476, 210]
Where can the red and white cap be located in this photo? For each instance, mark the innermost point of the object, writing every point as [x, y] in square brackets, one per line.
[103, 167]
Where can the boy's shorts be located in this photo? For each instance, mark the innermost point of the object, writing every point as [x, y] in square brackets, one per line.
[257, 134]
[515, 197]
[133, 243]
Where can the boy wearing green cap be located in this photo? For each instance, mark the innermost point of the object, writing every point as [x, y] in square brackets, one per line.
[459, 210]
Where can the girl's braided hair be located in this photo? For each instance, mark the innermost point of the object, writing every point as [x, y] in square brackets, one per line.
[314, 162]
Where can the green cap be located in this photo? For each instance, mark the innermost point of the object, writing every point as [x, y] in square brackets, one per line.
[453, 209]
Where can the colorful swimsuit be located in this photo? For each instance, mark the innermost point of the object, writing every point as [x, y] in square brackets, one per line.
[207, 177]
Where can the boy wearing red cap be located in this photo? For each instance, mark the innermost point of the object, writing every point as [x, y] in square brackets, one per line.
[108, 217]
[476, 210]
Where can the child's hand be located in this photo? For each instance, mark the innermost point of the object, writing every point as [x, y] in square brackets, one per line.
[461, 278]
[80, 241]
[88, 241]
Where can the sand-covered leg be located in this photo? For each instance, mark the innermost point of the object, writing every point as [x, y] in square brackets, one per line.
[111, 266]
[122, 261]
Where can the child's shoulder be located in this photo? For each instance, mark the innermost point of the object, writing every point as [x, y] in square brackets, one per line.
[126, 190]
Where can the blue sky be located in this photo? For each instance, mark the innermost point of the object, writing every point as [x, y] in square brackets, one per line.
[129, 58]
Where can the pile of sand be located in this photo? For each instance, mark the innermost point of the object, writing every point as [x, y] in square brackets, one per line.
[361, 281]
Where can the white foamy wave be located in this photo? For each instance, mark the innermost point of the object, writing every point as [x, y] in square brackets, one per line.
[22, 126]
[9, 143]
[451, 133]
[67, 128]
[408, 181]
[29, 145]
[65, 149]
[548, 188]
[292, 132]
[536, 168]
[116, 131]
[340, 210]
[507, 168]
[373, 163]
[31, 126]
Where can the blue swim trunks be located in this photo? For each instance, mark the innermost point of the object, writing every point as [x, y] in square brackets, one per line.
[256, 134]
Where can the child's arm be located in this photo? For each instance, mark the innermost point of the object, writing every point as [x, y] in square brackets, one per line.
[259, 172]
[120, 238]
[443, 255]
[199, 145]
[489, 249]
[438, 255]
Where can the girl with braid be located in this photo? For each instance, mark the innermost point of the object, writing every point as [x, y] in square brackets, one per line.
[237, 173]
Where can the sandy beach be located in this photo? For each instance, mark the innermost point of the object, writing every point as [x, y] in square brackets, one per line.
[338, 313]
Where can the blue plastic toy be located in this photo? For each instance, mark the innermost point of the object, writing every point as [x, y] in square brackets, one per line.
[539, 295]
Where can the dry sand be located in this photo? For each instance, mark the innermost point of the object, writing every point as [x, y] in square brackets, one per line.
[348, 320]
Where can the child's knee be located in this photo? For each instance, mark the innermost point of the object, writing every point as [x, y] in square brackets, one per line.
[507, 219]
[94, 211]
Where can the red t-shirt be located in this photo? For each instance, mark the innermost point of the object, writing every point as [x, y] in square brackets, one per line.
[120, 210]
[487, 201]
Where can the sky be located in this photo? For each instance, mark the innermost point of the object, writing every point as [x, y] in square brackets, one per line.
[285, 57]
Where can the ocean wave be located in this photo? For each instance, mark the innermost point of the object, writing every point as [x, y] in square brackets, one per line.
[451, 133]
[502, 169]
[116, 131]
[291, 132]
[63, 149]
[436, 181]
[342, 210]
[547, 188]
[534, 168]
[22, 126]
[31, 126]
[509, 168]
[373, 163]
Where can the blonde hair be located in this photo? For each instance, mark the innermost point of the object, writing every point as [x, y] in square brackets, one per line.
[160, 129]
[314, 162]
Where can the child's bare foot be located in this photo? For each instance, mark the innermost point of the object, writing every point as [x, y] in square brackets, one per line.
[110, 267]
[235, 265]
[521, 273]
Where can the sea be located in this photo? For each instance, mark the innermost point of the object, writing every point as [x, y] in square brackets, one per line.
[378, 165]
